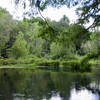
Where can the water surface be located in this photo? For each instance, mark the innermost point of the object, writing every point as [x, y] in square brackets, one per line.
[20, 84]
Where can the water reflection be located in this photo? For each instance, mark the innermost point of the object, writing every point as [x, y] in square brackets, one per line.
[83, 95]
[40, 85]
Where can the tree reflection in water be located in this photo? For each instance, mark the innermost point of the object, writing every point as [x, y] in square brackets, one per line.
[41, 85]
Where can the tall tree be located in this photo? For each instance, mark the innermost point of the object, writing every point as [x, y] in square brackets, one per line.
[79, 35]
[19, 48]
[6, 31]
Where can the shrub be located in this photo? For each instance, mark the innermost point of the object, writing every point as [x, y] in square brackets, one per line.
[7, 61]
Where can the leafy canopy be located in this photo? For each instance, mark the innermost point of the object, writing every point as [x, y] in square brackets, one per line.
[86, 8]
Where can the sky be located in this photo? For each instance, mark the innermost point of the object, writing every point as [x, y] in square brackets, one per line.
[56, 14]
[52, 13]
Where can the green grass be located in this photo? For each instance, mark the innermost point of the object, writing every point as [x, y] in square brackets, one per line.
[24, 65]
[20, 66]
[80, 64]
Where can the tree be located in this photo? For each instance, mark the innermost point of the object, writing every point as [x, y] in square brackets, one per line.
[60, 25]
[95, 43]
[79, 35]
[7, 25]
[19, 48]
[31, 31]
[60, 50]
[86, 8]
[89, 9]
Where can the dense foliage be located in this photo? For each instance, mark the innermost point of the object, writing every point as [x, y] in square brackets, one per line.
[33, 40]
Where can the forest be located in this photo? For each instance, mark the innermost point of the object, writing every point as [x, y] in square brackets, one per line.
[42, 58]
[36, 42]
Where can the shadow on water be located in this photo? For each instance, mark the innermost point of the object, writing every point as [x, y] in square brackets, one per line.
[20, 84]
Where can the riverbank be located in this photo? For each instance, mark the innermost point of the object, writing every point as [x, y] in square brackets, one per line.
[81, 64]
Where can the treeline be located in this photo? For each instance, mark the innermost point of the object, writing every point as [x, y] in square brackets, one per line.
[31, 39]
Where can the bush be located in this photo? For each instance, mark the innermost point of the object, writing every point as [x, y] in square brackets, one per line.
[1, 61]
[73, 65]
[84, 63]
[77, 65]
[7, 61]
[49, 64]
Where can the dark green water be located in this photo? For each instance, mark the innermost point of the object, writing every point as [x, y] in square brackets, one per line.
[20, 84]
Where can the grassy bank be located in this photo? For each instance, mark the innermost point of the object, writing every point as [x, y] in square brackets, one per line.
[81, 64]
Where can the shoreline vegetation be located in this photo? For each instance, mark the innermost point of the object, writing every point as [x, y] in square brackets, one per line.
[81, 64]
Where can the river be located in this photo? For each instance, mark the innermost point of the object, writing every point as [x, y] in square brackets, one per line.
[25, 84]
